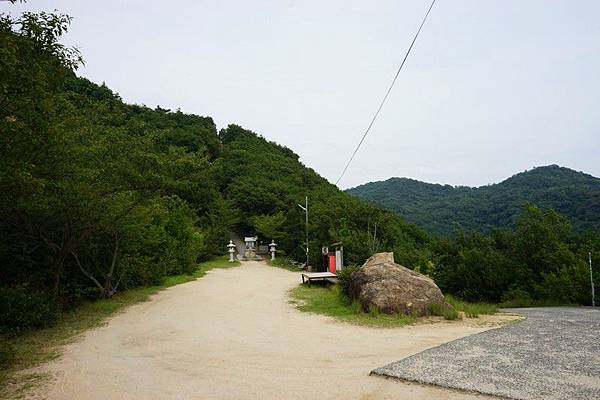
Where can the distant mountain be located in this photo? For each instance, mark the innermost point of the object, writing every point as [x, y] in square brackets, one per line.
[443, 209]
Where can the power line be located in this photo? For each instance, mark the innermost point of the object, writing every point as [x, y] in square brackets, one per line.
[386, 93]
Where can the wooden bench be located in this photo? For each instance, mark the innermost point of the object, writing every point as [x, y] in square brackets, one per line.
[318, 276]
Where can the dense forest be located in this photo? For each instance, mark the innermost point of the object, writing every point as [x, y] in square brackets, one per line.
[444, 209]
[98, 196]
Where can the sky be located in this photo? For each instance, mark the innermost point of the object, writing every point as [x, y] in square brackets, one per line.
[490, 89]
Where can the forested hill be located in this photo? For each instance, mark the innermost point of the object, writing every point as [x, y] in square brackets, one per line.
[98, 196]
[442, 209]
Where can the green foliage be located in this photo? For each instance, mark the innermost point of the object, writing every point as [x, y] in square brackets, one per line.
[94, 193]
[7, 353]
[471, 310]
[540, 261]
[451, 314]
[99, 196]
[443, 310]
[443, 209]
[344, 279]
[285, 263]
[22, 310]
[373, 311]
[265, 182]
[270, 226]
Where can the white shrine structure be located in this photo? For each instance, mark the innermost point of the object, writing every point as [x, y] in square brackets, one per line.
[250, 253]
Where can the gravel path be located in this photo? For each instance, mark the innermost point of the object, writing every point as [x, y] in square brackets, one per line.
[553, 354]
[233, 335]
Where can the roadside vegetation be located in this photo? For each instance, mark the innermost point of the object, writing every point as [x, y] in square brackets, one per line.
[540, 261]
[442, 310]
[328, 300]
[471, 310]
[334, 301]
[285, 263]
[30, 348]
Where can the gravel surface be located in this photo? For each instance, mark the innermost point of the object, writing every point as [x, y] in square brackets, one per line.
[553, 354]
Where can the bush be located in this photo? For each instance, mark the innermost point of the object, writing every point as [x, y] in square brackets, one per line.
[515, 298]
[471, 310]
[344, 277]
[374, 310]
[284, 262]
[443, 310]
[7, 353]
[451, 314]
[21, 310]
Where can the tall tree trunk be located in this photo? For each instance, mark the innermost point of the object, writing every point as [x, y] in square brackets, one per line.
[58, 270]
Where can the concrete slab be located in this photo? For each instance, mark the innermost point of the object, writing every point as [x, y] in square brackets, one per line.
[553, 354]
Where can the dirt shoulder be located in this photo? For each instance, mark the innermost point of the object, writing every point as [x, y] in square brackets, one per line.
[233, 335]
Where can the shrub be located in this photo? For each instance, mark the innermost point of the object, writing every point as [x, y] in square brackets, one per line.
[451, 314]
[373, 310]
[443, 310]
[436, 309]
[471, 310]
[516, 298]
[344, 277]
[284, 262]
[7, 353]
[21, 310]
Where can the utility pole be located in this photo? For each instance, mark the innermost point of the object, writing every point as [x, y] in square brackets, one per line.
[592, 279]
[305, 208]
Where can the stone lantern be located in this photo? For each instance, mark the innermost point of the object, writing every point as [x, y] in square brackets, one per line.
[272, 249]
[231, 250]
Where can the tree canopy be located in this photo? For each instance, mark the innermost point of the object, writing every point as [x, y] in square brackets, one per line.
[98, 196]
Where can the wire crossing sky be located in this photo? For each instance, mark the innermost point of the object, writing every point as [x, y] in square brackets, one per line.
[387, 93]
[491, 88]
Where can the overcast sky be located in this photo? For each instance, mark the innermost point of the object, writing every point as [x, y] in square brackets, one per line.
[490, 89]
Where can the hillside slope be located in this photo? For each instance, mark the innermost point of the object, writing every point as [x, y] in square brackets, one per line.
[99, 195]
[442, 209]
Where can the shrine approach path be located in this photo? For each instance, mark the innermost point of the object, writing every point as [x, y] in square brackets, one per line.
[234, 335]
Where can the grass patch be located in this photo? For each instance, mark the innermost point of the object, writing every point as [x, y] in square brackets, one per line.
[442, 310]
[33, 348]
[327, 300]
[471, 310]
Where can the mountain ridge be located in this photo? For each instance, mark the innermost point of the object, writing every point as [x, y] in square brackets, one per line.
[443, 209]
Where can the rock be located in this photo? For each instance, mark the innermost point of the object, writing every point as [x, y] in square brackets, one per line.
[380, 258]
[392, 288]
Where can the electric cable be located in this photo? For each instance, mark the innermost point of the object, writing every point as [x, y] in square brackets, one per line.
[386, 93]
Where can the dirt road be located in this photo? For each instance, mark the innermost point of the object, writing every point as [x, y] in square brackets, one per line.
[233, 335]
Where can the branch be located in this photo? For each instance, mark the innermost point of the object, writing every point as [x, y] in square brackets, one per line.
[50, 243]
[114, 259]
[87, 273]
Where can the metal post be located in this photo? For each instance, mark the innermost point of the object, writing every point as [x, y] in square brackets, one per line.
[306, 231]
[592, 280]
[305, 208]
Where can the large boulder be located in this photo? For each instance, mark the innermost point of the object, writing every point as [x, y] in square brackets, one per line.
[392, 288]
